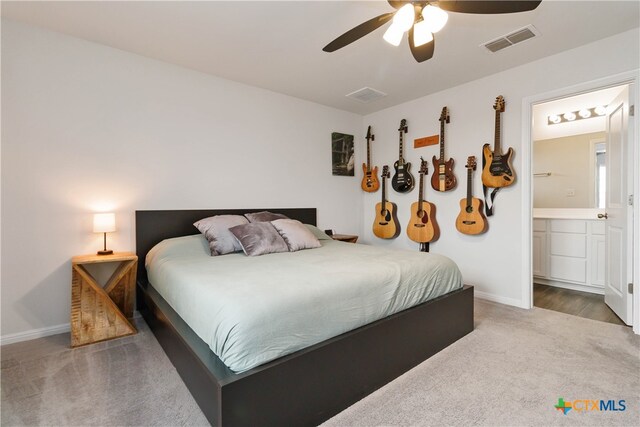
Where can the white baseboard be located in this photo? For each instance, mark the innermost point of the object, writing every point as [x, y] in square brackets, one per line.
[42, 332]
[34, 333]
[499, 299]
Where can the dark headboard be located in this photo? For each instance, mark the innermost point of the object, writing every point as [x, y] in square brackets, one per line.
[153, 227]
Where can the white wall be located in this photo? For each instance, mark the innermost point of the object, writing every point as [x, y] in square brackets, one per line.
[87, 127]
[493, 261]
[571, 162]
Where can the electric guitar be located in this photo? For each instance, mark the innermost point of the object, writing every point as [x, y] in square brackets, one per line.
[423, 227]
[402, 181]
[370, 182]
[386, 225]
[471, 219]
[497, 171]
[443, 178]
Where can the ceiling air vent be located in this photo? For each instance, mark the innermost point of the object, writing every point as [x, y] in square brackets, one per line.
[510, 39]
[366, 94]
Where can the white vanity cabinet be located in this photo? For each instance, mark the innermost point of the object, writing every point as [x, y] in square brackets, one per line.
[569, 253]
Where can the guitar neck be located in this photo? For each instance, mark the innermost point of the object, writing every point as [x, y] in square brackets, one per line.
[496, 145]
[421, 192]
[442, 142]
[368, 156]
[400, 158]
[469, 186]
[384, 193]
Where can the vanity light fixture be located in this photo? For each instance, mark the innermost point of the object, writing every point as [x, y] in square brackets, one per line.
[571, 116]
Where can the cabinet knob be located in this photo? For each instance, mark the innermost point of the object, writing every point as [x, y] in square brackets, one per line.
[604, 215]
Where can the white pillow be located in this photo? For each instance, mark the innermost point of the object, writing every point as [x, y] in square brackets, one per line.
[216, 230]
[296, 234]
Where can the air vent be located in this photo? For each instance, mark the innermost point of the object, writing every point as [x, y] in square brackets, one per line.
[510, 39]
[366, 94]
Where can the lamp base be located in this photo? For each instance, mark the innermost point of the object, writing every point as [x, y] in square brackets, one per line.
[107, 252]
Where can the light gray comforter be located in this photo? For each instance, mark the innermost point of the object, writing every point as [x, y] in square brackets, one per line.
[251, 310]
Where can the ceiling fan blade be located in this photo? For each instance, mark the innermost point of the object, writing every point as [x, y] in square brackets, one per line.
[357, 32]
[397, 4]
[486, 7]
[424, 52]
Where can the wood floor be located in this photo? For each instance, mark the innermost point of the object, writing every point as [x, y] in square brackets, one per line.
[582, 304]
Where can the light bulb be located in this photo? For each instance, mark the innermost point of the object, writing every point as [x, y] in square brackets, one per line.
[569, 116]
[404, 17]
[601, 110]
[421, 34]
[393, 35]
[435, 18]
[584, 113]
[554, 118]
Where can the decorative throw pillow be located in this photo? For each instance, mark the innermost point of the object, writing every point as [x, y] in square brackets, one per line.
[259, 238]
[264, 216]
[296, 234]
[216, 230]
[320, 235]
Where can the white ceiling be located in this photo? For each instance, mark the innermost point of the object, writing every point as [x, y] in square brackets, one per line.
[278, 45]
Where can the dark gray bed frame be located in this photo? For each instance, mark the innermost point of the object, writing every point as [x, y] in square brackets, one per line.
[310, 385]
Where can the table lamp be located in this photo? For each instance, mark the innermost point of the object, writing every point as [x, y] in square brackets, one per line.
[104, 223]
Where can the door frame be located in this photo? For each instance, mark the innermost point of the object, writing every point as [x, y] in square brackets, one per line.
[630, 77]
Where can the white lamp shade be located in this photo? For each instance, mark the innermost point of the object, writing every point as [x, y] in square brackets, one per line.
[104, 222]
[404, 17]
[393, 35]
[421, 34]
[435, 18]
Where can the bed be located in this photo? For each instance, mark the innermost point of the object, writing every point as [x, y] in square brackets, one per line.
[311, 384]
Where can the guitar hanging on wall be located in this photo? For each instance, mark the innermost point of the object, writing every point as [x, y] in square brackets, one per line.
[471, 219]
[497, 171]
[402, 181]
[385, 225]
[423, 227]
[443, 178]
[370, 182]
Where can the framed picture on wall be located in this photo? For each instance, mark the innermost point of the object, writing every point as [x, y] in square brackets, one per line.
[342, 157]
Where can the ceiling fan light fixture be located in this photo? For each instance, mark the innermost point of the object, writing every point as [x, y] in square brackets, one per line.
[393, 35]
[421, 34]
[435, 18]
[405, 17]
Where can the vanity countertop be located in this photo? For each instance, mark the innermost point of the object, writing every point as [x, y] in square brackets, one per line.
[576, 213]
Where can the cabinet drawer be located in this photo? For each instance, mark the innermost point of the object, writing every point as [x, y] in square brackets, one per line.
[597, 227]
[569, 226]
[539, 225]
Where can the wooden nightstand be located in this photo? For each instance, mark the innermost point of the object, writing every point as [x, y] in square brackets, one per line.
[98, 313]
[349, 238]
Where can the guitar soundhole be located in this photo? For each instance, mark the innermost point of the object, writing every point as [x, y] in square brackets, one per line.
[469, 209]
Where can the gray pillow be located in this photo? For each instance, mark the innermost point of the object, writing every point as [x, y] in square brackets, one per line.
[259, 238]
[296, 234]
[264, 216]
[216, 230]
[320, 235]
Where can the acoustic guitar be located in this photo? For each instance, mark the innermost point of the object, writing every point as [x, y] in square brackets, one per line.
[423, 227]
[471, 219]
[497, 171]
[402, 181]
[386, 225]
[370, 182]
[443, 178]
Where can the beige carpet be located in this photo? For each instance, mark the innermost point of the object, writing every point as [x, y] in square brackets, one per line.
[510, 371]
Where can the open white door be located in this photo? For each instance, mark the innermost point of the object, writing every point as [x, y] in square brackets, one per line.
[617, 229]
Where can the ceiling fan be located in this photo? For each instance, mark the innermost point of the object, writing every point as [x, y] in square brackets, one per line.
[422, 19]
